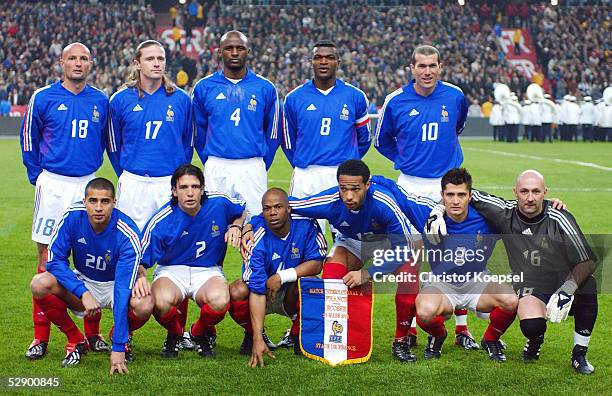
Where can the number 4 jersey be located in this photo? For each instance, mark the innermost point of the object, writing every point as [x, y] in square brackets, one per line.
[64, 133]
[420, 133]
[172, 237]
[325, 128]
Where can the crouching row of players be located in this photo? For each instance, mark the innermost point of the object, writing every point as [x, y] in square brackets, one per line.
[187, 238]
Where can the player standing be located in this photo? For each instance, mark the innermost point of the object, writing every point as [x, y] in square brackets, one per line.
[105, 250]
[62, 142]
[419, 130]
[237, 115]
[150, 135]
[285, 248]
[325, 123]
[548, 248]
[187, 239]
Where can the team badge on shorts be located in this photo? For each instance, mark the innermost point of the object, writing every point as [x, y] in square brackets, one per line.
[170, 114]
[95, 115]
[344, 114]
[336, 322]
[444, 114]
[252, 103]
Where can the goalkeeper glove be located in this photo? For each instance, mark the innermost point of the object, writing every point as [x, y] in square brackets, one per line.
[435, 228]
[560, 302]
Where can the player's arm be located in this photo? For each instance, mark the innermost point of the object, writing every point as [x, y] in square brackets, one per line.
[115, 135]
[289, 130]
[362, 125]
[59, 252]
[200, 117]
[189, 131]
[497, 211]
[31, 134]
[319, 206]
[237, 214]
[384, 139]
[152, 243]
[255, 276]
[578, 252]
[271, 126]
[463, 112]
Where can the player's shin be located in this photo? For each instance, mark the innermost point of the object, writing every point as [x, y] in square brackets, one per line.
[55, 310]
[500, 321]
[435, 327]
[169, 320]
[135, 322]
[461, 320]
[208, 319]
[91, 324]
[239, 311]
[405, 311]
[42, 325]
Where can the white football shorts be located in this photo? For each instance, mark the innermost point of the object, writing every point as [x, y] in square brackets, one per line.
[245, 179]
[312, 180]
[54, 194]
[103, 292]
[465, 295]
[423, 187]
[140, 196]
[188, 279]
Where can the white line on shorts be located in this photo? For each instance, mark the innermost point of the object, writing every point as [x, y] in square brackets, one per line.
[558, 160]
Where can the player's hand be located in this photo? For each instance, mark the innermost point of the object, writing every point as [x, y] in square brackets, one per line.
[257, 353]
[232, 236]
[356, 278]
[246, 243]
[92, 306]
[118, 363]
[141, 288]
[558, 204]
[435, 228]
[273, 284]
[560, 302]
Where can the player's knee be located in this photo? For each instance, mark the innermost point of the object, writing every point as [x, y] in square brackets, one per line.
[162, 302]
[218, 300]
[238, 291]
[41, 285]
[143, 306]
[426, 310]
[508, 302]
[533, 328]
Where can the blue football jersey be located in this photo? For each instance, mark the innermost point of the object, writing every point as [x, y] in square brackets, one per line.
[466, 248]
[379, 215]
[236, 121]
[324, 129]
[271, 254]
[112, 255]
[152, 135]
[172, 237]
[64, 133]
[420, 134]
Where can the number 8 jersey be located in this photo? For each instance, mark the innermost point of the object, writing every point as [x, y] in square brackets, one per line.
[420, 134]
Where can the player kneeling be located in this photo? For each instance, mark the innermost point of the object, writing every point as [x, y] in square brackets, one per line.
[284, 249]
[106, 255]
[187, 239]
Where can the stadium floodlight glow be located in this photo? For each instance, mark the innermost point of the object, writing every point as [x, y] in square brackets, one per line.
[182, 1]
[554, 2]
[461, 2]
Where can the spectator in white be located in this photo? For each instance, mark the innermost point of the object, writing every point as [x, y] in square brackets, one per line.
[496, 119]
[548, 110]
[512, 117]
[526, 119]
[587, 118]
[571, 118]
[604, 123]
[474, 109]
[536, 122]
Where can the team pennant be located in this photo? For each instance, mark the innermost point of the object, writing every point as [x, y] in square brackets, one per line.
[336, 322]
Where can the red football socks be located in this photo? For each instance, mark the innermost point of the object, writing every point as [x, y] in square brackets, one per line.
[435, 327]
[499, 321]
[405, 309]
[461, 320]
[333, 270]
[55, 310]
[134, 322]
[42, 325]
[183, 309]
[170, 321]
[208, 319]
[239, 311]
[91, 324]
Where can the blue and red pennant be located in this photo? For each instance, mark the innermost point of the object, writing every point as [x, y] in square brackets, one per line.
[336, 322]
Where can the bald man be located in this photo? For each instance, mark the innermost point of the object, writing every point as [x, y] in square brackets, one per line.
[237, 118]
[62, 142]
[547, 248]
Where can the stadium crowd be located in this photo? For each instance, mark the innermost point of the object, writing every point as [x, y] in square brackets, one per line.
[374, 42]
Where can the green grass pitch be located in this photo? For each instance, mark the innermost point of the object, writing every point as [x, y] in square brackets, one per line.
[578, 173]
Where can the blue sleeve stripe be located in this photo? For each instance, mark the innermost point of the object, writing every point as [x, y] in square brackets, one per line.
[218, 194]
[159, 216]
[274, 133]
[27, 126]
[111, 133]
[451, 85]
[257, 237]
[72, 208]
[322, 244]
[381, 197]
[36, 204]
[315, 201]
[382, 114]
[417, 199]
[286, 128]
[133, 238]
